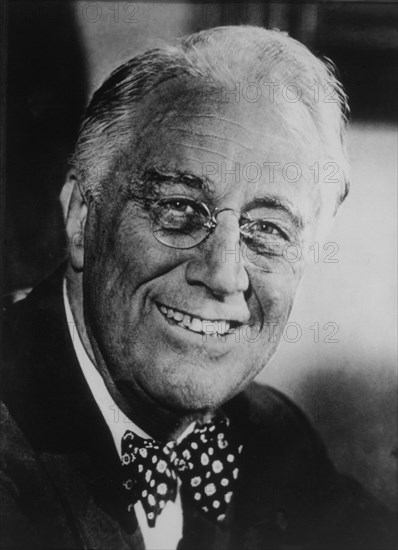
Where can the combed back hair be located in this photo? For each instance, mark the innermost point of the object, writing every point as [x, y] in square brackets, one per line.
[223, 56]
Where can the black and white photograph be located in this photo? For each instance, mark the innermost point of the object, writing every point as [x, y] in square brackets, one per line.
[199, 275]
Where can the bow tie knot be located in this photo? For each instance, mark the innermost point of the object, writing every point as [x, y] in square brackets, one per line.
[205, 461]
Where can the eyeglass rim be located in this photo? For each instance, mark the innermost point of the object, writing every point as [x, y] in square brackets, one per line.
[212, 215]
[209, 230]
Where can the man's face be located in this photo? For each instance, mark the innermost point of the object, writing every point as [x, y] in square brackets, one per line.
[145, 302]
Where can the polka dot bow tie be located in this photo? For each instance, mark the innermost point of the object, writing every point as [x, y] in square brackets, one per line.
[205, 461]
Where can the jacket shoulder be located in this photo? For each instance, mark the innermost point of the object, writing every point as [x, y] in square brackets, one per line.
[270, 412]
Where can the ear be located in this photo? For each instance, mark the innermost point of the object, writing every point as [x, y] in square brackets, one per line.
[75, 213]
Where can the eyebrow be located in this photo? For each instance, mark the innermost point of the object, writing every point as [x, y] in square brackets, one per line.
[156, 176]
[276, 203]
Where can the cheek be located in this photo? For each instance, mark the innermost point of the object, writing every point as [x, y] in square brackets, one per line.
[122, 253]
[275, 297]
[135, 252]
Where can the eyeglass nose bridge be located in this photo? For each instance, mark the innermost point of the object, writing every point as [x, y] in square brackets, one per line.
[212, 224]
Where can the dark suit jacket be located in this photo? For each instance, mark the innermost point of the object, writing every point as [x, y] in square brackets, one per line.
[61, 475]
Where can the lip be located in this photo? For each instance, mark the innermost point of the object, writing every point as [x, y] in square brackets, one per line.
[235, 323]
[218, 345]
[232, 323]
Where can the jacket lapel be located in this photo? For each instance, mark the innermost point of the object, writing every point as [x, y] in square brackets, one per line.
[89, 504]
[199, 532]
[47, 394]
[273, 506]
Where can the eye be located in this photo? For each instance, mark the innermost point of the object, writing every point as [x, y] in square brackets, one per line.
[264, 237]
[267, 228]
[261, 229]
[177, 213]
[178, 205]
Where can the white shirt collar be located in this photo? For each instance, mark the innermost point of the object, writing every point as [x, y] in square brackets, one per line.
[116, 420]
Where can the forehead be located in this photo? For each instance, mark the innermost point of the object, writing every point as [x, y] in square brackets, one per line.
[226, 140]
[256, 127]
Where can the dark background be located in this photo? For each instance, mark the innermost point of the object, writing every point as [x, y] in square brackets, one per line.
[59, 51]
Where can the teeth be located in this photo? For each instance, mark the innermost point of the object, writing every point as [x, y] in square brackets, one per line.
[196, 325]
[210, 328]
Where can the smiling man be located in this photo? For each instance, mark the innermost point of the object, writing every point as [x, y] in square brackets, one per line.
[130, 420]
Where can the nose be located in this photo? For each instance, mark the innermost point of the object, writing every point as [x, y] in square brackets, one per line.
[218, 264]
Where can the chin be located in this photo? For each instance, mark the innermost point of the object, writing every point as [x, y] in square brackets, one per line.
[198, 397]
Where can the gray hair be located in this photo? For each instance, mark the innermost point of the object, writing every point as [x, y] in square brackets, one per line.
[222, 56]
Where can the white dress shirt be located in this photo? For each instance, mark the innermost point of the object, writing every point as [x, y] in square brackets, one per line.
[168, 530]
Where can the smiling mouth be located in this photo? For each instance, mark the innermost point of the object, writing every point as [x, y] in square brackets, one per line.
[215, 328]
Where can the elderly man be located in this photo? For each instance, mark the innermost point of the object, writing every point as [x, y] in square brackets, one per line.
[130, 420]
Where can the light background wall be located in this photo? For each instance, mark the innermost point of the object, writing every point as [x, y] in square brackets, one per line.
[349, 388]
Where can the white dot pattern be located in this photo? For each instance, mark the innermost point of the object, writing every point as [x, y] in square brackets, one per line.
[195, 481]
[206, 461]
[217, 466]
